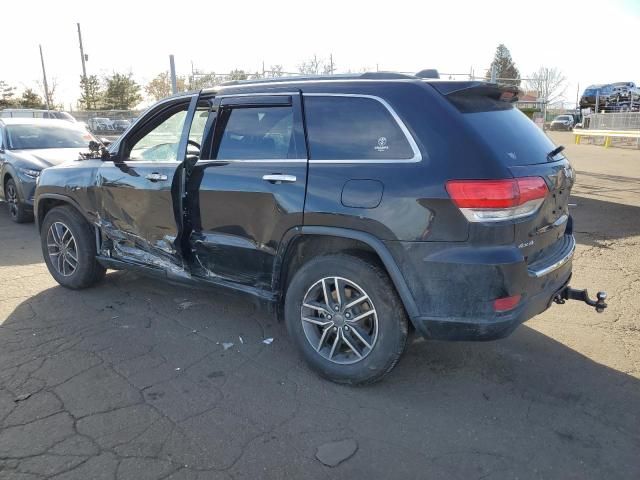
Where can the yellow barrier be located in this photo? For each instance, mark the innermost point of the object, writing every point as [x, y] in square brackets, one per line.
[607, 134]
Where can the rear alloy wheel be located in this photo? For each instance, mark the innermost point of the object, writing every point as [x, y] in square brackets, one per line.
[69, 248]
[339, 320]
[346, 318]
[17, 210]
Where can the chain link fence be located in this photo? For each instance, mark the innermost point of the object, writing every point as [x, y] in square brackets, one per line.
[106, 122]
[613, 121]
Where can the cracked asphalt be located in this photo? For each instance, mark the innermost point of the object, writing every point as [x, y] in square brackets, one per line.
[131, 380]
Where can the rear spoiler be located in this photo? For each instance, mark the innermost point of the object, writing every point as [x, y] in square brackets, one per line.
[506, 93]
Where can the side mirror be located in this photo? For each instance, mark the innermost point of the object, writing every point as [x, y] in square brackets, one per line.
[105, 141]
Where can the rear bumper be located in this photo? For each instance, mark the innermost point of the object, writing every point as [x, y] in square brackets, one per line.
[454, 286]
[487, 328]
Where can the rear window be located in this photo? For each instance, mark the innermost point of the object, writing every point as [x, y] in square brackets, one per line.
[353, 128]
[512, 136]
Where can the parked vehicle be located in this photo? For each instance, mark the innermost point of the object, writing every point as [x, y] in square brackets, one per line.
[101, 125]
[33, 113]
[625, 92]
[600, 94]
[562, 122]
[121, 125]
[28, 145]
[396, 200]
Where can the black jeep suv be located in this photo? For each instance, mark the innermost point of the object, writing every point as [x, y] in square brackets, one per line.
[358, 205]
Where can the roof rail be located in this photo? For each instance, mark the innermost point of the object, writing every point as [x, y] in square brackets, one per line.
[336, 77]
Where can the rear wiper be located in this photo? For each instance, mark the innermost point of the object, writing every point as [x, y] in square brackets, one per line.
[555, 152]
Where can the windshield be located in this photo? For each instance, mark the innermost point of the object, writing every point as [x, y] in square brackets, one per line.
[27, 137]
[563, 118]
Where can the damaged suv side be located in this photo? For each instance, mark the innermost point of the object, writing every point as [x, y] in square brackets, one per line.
[357, 205]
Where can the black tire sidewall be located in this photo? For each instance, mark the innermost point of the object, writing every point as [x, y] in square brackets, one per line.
[392, 322]
[23, 216]
[88, 270]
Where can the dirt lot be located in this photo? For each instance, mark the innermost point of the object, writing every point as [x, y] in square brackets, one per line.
[131, 379]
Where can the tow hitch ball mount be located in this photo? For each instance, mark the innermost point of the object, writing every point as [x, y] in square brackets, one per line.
[568, 293]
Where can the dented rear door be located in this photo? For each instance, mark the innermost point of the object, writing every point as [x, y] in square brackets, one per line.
[252, 190]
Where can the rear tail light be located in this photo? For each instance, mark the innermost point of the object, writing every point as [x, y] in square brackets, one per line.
[506, 303]
[497, 200]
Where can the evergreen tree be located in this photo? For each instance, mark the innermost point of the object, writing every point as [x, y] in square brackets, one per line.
[504, 66]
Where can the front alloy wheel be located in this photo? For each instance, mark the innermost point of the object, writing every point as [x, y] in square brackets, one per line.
[339, 320]
[62, 249]
[11, 196]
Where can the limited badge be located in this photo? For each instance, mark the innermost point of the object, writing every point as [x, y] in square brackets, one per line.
[382, 144]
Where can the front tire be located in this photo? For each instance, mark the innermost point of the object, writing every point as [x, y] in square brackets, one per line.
[17, 209]
[69, 249]
[346, 318]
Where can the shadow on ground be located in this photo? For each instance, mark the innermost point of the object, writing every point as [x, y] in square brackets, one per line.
[597, 221]
[23, 238]
[133, 378]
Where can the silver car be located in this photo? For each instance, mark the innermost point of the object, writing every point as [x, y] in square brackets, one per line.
[29, 145]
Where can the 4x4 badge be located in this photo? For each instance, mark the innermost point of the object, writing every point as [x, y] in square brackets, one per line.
[382, 144]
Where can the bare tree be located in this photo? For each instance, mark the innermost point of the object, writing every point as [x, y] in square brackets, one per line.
[274, 71]
[549, 83]
[313, 66]
[51, 94]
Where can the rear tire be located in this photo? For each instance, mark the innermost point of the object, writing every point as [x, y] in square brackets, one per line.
[17, 209]
[69, 249]
[354, 333]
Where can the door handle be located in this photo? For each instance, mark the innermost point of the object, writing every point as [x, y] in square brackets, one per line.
[279, 178]
[157, 177]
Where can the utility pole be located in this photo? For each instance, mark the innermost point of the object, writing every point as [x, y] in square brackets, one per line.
[83, 58]
[174, 82]
[493, 74]
[44, 78]
[331, 62]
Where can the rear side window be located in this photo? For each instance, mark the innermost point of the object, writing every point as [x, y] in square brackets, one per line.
[258, 133]
[353, 128]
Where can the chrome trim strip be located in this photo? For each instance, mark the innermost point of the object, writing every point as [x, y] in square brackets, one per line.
[554, 266]
[417, 156]
[257, 94]
[254, 160]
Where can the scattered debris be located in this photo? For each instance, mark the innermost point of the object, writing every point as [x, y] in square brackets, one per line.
[117, 316]
[186, 304]
[333, 453]
[194, 331]
[241, 340]
[22, 398]
[177, 369]
[268, 341]
[227, 345]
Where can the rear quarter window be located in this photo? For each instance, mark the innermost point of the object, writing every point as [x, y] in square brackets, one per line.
[509, 133]
[353, 128]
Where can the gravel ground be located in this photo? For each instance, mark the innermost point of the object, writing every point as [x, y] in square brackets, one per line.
[131, 380]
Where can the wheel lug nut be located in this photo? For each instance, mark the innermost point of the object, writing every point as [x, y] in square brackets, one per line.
[329, 317]
[336, 308]
[346, 327]
[335, 329]
[348, 315]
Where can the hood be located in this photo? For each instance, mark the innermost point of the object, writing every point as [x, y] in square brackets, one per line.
[47, 157]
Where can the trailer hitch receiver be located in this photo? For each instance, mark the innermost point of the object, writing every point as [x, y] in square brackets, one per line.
[568, 293]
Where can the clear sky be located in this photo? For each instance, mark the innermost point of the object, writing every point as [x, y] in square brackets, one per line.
[590, 41]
